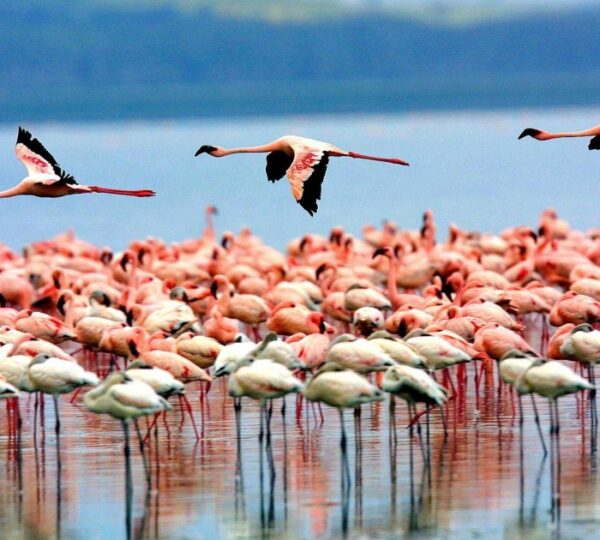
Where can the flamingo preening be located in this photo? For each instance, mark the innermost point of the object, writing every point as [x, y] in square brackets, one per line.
[541, 135]
[303, 160]
[45, 178]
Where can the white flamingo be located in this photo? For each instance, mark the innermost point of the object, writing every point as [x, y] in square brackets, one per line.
[341, 388]
[552, 380]
[56, 376]
[126, 399]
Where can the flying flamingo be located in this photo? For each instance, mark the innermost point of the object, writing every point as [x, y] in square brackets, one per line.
[45, 178]
[541, 135]
[303, 160]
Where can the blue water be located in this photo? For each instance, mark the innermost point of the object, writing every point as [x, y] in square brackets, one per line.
[469, 168]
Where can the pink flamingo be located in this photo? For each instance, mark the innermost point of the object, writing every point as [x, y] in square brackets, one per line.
[46, 178]
[303, 160]
[541, 135]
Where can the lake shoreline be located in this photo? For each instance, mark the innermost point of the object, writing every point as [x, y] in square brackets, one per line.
[268, 99]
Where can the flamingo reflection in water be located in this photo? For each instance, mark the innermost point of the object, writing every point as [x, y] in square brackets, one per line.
[126, 399]
[342, 388]
[552, 380]
[263, 380]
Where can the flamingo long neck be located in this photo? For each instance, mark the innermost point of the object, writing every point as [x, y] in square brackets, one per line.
[328, 279]
[12, 192]
[591, 132]
[391, 282]
[271, 147]
[209, 232]
[223, 296]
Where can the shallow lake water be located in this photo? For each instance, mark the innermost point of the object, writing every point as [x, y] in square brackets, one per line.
[475, 487]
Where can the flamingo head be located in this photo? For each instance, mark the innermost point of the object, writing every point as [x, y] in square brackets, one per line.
[537, 134]
[385, 251]
[179, 293]
[336, 235]
[322, 268]
[317, 322]
[208, 149]
[100, 297]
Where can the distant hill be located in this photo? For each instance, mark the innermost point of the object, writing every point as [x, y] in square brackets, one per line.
[95, 59]
[438, 11]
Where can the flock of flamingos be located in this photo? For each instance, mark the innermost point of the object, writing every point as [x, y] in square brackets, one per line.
[339, 320]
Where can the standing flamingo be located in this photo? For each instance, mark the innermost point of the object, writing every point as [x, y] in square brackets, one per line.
[46, 178]
[7, 390]
[541, 135]
[125, 399]
[56, 376]
[303, 160]
[341, 388]
[552, 380]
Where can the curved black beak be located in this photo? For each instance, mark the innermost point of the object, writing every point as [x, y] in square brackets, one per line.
[214, 288]
[320, 270]
[133, 349]
[205, 148]
[60, 305]
[124, 261]
[531, 132]
[380, 251]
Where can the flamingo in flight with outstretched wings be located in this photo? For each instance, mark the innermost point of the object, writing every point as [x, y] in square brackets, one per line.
[541, 135]
[303, 160]
[45, 178]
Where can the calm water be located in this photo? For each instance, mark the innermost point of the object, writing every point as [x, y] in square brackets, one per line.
[474, 490]
[468, 167]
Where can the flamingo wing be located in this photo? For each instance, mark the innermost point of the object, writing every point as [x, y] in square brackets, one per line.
[38, 160]
[277, 164]
[594, 143]
[306, 174]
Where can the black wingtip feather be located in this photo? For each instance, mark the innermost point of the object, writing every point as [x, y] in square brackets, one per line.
[24, 137]
[277, 165]
[531, 132]
[311, 192]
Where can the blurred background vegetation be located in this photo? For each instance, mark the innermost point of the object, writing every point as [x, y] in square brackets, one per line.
[96, 59]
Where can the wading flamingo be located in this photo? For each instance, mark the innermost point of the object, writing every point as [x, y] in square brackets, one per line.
[263, 380]
[56, 376]
[413, 386]
[45, 178]
[303, 160]
[126, 399]
[512, 365]
[342, 388]
[552, 380]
